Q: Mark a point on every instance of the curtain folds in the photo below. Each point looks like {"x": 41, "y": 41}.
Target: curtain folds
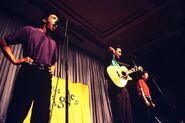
{"x": 82, "y": 68}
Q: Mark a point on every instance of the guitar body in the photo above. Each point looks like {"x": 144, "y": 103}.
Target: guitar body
{"x": 118, "y": 75}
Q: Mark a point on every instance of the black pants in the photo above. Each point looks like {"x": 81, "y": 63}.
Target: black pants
{"x": 145, "y": 114}
{"x": 120, "y": 104}
{"x": 32, "y": 84}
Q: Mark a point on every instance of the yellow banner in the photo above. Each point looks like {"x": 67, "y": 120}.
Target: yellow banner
{"x": 78, "y": 99}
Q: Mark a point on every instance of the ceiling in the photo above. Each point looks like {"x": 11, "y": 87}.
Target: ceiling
{"x": 137, "y": 25}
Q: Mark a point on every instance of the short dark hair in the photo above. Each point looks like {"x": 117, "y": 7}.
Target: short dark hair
{"x": 48, "y": 13}
{"x": 118, "y": 46}
{"x": 143, "y": 72}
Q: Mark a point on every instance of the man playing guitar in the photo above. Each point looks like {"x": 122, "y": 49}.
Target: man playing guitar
{"x": 119, "y": 96}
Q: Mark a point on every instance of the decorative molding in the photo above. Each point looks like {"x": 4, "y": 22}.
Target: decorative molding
{"x": 87, "y": 26}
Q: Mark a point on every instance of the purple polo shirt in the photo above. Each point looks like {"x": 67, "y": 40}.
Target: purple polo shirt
{"x": 36, "y": 44}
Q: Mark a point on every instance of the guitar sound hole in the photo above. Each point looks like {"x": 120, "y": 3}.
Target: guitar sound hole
{"x": 124, "y": 74}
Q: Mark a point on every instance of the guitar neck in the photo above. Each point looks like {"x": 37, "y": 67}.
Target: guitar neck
{"x": 132, "y": 70}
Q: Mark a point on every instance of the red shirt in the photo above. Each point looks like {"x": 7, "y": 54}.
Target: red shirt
{"x": 142, "y": 84}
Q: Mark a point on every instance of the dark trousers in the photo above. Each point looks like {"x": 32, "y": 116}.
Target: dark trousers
{"x": 145, "y": 114}
{"x": 32, "y": 84}
{"x": 120, "y": 104}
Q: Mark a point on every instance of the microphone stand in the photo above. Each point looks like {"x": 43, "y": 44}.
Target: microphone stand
{"x": 65, "y": 56}
{"x": 162, "y": 96}
{"x": 158, "y": 87}
{"x": 160, "y": 91}
{"x": 66, "y": 69}
{"x": 132, "y": 60}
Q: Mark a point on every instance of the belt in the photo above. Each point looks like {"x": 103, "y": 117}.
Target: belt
{"x": 40, "y": 66}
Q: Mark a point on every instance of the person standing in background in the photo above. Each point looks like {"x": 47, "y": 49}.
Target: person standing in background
{"x": 145, "y": 101}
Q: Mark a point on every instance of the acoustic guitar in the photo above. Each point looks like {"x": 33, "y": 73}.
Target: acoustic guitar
{"x": 120, "y": 75}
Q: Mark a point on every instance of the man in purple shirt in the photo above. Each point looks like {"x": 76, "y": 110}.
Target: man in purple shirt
{"x": 33, "y": 82}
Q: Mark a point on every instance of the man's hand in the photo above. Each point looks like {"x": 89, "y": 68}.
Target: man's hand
{"x": 22, "y": 60}
{"x": 52, "y": 69}
{"x": 153, "y": 105}
{"x": 8, "y": 53}
{"x": 147, "y": 103}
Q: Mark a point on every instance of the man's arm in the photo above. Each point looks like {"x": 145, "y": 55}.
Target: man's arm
{"x": 152, "y": 103}
{"x": 8, "y": 53}
{"x": 111, "y": 49}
